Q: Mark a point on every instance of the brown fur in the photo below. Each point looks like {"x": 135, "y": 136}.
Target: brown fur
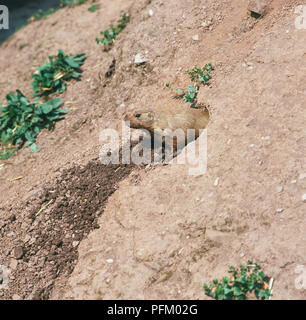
{"x": 160, "y": 120}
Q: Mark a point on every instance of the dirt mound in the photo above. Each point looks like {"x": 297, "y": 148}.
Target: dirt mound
{"x": 40, "y": 238}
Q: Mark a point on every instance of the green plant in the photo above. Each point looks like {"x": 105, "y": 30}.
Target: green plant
{"x": 40, "y": 14}
{"x": 52, "y": 76}
{"x": 200, "y": 74}
{"x": 21, "y": 121}
{"x": 110, "y": 35}
{"x": 191, "y": 93}
{"x": 65, "y": 3}
{"x": 242, "y": 282}
{"x": 94, "y": 8}
{"x": 23, "y": 45}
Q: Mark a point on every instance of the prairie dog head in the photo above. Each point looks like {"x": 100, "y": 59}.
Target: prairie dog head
{"x": 140, "y": 119}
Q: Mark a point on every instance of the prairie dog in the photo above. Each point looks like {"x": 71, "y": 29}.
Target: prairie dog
{"x": 168, "y": 119}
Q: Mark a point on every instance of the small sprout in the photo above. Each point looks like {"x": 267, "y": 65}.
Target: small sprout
{"x": 94, "y": 8}
{"x": 191, "y": 93}
{"x": 248, "y": 279}
{"x": 201, "y": 75}
{"x": 110, "y": 35}
{"x": 209, "y": 67}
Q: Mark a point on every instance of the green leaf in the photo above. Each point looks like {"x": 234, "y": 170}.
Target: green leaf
{"x": 54, "y": 73}
{"x": 33, "y": 147}
{"x": 63, "y": 111}
{"x": 11, "y": 98}
{"x": 47, "y": 108}
{"x": 111, "y": 33}
{"x": 227, "y": 290}
{"x": 71, "y": 62}
{"x": 94, "y": 8}
{"x": 56, "y": 102}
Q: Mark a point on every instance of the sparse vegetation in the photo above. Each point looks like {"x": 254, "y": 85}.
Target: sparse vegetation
{"x": 110, "y": 34}
{"x": 41, "y": 14}
{"x": 191, "y": 93}
{"x": 71, "y": 3}
{"x": 242, "y": 282}
{"x": 201, "y": 76}
{"x": 23, "y": 45}
{"x": 21, "y": 121}
{"x": 52, "y": 76}
{"x": 94, "y": 8}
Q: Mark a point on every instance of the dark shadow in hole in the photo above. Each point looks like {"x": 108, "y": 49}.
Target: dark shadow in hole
{"x": 255, "y": 15}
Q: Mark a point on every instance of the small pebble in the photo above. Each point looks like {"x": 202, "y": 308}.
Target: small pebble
{"x": 279, "y": 210}
{"x": 304, "y": 197}
{"x": 151, "y": 12}
{"x": 265, "y": 138}
{"x": 29, "y": 297}
{"x": 302, "y": 176}
{"x": 75, "y": 243}
{"x": 279, "y": 189}
{"x": 216, "y": 182}
{"x": 109, "y": 261}
{"x": 195, "y": 37}
{"x": 139, "y": 59}
{"x": 18, "y": 252}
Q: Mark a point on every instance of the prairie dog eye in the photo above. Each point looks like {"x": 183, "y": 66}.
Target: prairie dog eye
{"x": 138, "y": 115}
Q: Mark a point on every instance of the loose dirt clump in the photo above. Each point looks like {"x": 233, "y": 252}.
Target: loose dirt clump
{"x": 39, "y": 240}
